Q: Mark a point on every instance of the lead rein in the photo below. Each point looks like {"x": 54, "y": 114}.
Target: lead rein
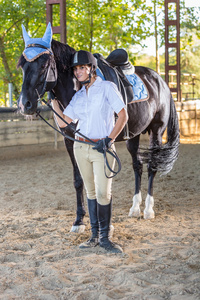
{"x": 91, "y": 142}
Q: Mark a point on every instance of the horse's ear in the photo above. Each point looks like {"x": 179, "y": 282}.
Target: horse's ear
{"x": 47, "y": 37}
{"x": 26, "y": 37}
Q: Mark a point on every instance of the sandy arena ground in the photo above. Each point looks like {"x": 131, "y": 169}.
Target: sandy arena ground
{"x": 40, "y": 258}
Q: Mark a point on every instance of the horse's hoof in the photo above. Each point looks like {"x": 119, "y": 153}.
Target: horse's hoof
{"x": 78, "y": 228}
{"x": 134, "y": 213}
{"x": 149, "y": 215}
{"x": 135, "y": 208}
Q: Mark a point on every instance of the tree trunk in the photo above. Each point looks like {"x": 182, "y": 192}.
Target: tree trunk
{"x": 156, "y": 40}
{"x": 90, "y": 12}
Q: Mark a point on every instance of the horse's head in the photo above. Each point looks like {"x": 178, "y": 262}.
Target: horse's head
{"x": 39, "y": 70}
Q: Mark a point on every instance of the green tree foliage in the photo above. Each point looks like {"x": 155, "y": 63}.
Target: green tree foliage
{"x": 94, "y": 25}
{"x": 102, "y": 26}
{"x": 189, "y": 43}
{"x": 13, "y": 14}
{"x": 190, "y": 62}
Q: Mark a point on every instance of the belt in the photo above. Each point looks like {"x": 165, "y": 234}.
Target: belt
{"x": 85, "y": 140}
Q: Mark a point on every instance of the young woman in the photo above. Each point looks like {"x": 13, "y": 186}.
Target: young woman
{"x": 94, "y": 106}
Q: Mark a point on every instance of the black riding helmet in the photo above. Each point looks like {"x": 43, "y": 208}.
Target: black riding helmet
{"x": 84, "y": 58}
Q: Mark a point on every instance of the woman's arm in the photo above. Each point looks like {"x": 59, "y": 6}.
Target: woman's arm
{"x": 119, "y": 125}
{"x": 56, "y": 107}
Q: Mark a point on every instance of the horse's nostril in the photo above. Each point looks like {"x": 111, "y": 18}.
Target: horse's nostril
{"x": 28, "y": 105}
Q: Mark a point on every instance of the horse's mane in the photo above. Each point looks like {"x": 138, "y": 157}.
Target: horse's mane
{"x": 62, "y": 54}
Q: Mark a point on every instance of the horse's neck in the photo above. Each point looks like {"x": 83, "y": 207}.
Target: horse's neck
{"x": 64, "y": 90}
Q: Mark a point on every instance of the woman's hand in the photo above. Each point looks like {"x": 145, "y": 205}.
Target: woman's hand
{"x": 102, "y": 145}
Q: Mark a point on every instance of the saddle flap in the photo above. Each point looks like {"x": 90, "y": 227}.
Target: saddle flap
{"x": 115, "y": 74}
{"x": 108, "y": 71}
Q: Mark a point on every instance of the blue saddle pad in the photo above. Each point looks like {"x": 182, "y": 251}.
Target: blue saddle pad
{"x": 139, "y": 89}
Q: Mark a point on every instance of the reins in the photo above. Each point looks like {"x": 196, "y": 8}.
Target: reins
{"x": 90, "y": 142}
{"x": 105, "y": 149}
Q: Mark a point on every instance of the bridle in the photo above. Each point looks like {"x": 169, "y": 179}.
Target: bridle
{"x": 51, "y": 74}
{"x": 51, "y": 77}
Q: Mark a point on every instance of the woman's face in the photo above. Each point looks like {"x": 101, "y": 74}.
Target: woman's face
{"x": 81, "y": 72}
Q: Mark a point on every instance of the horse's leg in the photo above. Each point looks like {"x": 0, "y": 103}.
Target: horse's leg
{"x": 149, "y": 201}
{"x": 155, "y": 140}
{"x": 78, "y": 225}
{"x": 132, "y": 146}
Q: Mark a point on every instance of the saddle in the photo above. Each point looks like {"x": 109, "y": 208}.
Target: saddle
{"x": 114, "y": 68}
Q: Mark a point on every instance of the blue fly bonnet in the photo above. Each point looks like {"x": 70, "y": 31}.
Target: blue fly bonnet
{"x": 34, "y": 47}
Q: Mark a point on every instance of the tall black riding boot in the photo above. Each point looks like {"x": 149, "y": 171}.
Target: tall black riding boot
{"x": 94, "y": 239}
{"x": 104, "y": 216}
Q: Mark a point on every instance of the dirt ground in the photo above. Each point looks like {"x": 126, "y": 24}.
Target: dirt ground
{"x": 40, "y": 258}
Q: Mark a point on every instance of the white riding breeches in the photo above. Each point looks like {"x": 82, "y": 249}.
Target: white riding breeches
{"x": 91, "y": 166}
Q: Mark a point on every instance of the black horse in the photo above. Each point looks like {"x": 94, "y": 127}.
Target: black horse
{"x": 152, "y": 116}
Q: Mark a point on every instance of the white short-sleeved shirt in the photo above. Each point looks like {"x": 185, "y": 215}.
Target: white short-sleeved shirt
{"x": 95, "y": 109}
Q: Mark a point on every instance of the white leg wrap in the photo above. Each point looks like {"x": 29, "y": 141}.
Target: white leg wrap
{"x": 149, "y": 212}
{"x": 78, "y": 229}
{"x": 135, "y": 209}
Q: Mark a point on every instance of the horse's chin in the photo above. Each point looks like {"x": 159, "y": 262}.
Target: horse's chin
{"x": 25, "y": 112}
{"x": 28, "y": 114}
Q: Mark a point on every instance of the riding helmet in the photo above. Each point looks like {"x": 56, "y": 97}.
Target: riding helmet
{"x": 84, "y": 58}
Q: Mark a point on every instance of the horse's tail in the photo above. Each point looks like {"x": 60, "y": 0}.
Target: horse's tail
{"x": 171, "y": 148}
{"x": 162, "y": 158}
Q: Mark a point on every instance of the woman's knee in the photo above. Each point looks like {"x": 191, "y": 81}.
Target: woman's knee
{"x": 91, "y": 194}
{"x": 103, "y": 199}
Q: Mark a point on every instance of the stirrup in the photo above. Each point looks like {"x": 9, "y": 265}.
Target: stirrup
{"x": 126, "y": 133}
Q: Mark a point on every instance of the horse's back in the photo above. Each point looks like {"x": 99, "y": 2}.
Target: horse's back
{"x": 153, "y": 81}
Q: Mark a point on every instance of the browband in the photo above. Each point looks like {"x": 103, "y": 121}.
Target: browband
{"x": 39, "y": 46}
